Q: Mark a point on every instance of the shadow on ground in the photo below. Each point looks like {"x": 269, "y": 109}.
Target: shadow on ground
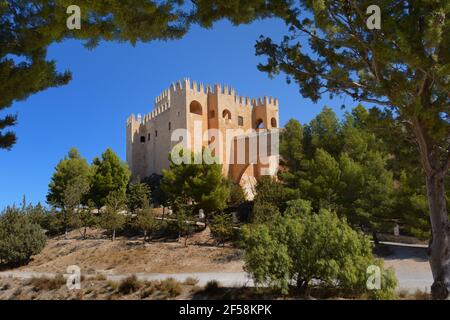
{"x": 393, "y": 252}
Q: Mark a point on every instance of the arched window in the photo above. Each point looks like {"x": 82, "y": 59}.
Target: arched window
{"x": 196, "y": 108}
{"x": 273, "y": 123}
{"x": 259, "y": 124}
{"x": 226, "y": 114}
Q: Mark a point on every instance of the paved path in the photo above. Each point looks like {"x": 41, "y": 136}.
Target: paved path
{"x": 411, "y": 266}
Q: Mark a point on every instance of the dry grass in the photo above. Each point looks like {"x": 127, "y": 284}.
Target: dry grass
{"x": 100, "y": 277}
{"x": 169, "y": 288}
{"x": 128, "y": 256}
{"x": 130, "y": 288}
{"x": 405, "y": 294}
{"x": 129, "y": 285}
{"x": 47, "y": 284}
{"x": 421, "y": 295}
{"x": 190, "y": 281}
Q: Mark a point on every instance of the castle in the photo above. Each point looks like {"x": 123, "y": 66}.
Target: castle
{"x": 216, "y": 111}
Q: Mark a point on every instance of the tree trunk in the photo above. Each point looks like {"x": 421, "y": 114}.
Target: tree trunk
{"x": 145, "y": 235}
{"x": 375, "y": 237}
{"x": 440, "y": 243}
{"x": 114, "y": 235}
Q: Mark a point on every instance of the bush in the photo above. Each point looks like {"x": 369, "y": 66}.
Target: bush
{"x": 237, "y": 194}
{"x": 269, "y": 190}
{"x": 264, "y": 212}
{"x": 222, "y": 227}
{"x": 212, "y": 287}
{"x": 129, "y": 285}
{"x": 190, "y": 281}
{"x": 312, "y": 249}
{"x": 169, "y": 288}
{"x": 19, "y": 238}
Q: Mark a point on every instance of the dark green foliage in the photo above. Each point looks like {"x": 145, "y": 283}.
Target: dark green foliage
{"x": 268, "y": 190}
{"x": 158, "y": 197}
{"x": 138, "y": 196}
{"x": 237, "y": 195}
{"x": 109, "y": 174}
{"x": 341, "y": 166}
{"x": 264, "y": 212}
{"x": 222, "y": 227}
{"x": 20, "y": 239}
{"x": 37, "y": 214}
{"x": 114, "y": 218}
{"x": 201, "y": 183}
{"x": 184, "y": 224}
{"x": 145, "y": 221}
{"x": 84, "y": 218}
{"x": 72, "y": 167}
{"x": 403, "y": 67}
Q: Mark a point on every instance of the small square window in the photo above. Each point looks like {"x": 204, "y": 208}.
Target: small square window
{"x": 170, "y": 126}
{"x": 240, "y": 121}
{"x": 142, "y": 139}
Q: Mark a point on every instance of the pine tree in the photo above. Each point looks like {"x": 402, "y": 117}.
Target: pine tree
{"x": 109, "y": 174}
{"x": 28, "y": 28}
{"x": 404, "y": 66}
{"x": 113, "y": 217}
{"x": 202, "y": 184}
{"x": 138, "y": 196}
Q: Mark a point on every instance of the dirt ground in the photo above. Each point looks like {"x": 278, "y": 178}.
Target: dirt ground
{"x": 97, "y": 254}
{"x": 156, "y": 261}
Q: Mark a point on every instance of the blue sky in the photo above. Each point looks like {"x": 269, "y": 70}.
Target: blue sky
{"x": 116, "y": 79}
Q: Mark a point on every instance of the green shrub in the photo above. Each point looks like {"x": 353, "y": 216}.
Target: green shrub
{"x": 19, "y": 238}
{"x": 264, "y": 212}
{"x": 222, "y": 227}
{"x": 237, "y": 194}
{"x": 312, "y": 249}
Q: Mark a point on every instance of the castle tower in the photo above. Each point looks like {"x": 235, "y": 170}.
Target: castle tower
{"x": 205, "y": 116}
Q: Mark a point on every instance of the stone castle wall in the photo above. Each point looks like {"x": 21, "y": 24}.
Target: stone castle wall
{"x": 186, "y": 104}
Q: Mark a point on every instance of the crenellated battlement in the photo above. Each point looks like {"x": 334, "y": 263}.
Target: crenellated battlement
{"x": 220, "y": 89}
{"x": 190, "y": 106}
{"x": 163, "y": 101}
